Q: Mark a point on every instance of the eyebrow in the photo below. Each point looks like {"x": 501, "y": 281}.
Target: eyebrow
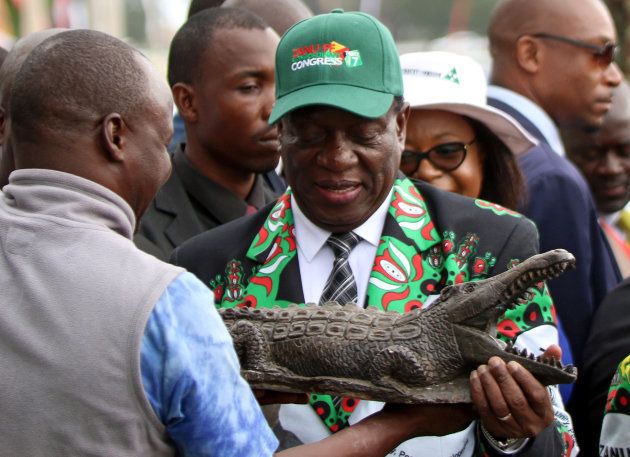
{"x": 252, "y": 73}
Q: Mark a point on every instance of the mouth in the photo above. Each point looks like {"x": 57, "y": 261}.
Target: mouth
{"x": 338, "y": 192}
{"x": 270, "y": 143}
{"x": 481, "y": 327}
{"x": 603, "y": 103}
{"x": 269, "y": 138}
{"x": 515, "y": 290}
{"x": 617, "y": 191}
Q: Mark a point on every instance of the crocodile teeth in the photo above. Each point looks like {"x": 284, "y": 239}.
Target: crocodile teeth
{"x": 524, "y": 353}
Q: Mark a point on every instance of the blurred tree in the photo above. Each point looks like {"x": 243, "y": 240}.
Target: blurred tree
{"x": 411, "y": 20}
{"x": 620, "y": 10}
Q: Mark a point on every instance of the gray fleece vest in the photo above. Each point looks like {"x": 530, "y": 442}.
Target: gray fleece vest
{"x": 75, "y": 296}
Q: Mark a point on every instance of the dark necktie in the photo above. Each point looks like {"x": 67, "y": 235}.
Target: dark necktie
{"x": 340, "y": 287}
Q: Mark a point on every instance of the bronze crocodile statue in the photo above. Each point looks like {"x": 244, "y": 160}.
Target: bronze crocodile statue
{"x": 424, "y": 356}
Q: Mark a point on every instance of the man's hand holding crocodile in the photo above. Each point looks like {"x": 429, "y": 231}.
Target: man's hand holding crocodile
{"x": 511, "y": 403}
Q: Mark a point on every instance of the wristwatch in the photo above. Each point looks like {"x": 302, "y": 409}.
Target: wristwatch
{"x": 506, "y": 446}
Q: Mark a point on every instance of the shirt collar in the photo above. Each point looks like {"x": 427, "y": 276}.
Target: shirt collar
{"x": 311, "y": 238}
{"x": 613, "y": 218}
{"x": 533, "y": 112}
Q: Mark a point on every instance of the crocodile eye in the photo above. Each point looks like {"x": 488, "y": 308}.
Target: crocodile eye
{"x": 446, "y": 291}
{"x": 470, "y": 287}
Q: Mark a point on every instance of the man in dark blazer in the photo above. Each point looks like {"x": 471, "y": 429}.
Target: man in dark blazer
{"x": 342, "y": 124}
{"x": 221, "y": 74}
{"x": 555, "y": 68}
{"x": 608, "y": 344}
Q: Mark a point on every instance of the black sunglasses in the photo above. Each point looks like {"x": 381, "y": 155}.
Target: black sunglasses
{"x": 445, "y": 156}
{"x": 605, "y": 54}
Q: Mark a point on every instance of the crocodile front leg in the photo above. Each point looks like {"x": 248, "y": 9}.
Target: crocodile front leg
{"x": 250, "y": 345}
{"x": 397, "y": 367}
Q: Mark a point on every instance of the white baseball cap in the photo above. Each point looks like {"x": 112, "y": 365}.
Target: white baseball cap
{"x": 456, "y": 83}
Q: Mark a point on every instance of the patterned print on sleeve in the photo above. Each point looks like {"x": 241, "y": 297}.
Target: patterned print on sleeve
{"x": 615, "y": 436}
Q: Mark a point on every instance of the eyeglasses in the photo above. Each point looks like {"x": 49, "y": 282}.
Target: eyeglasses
{"x": 445, "y": 156}
{"x": 604, "y": 54}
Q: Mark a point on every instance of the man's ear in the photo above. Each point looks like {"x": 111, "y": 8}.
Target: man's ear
{"x": 184, "y": 97}
{"x": 528, "y": 53}
{"x": 113, "y": 134}
{"x": 401, "y": 124}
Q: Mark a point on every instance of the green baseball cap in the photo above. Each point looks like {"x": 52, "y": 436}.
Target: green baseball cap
{"x": 345, "y": 60}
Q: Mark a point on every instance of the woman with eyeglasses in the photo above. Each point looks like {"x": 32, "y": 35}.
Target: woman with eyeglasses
{"x": 455, "y": 141}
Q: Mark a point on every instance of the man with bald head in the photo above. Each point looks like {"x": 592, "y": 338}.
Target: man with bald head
{"x": 553, "y": 66}
{"x": 105, "y": 350}
{"x": 603, "y": 157}
{"x": 8, "y": 70}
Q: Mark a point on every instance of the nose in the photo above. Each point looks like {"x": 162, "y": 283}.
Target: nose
{"x": 426, "y": 171}
{"x": 612, "y": 75}
{"x": 337, "y": 153}
{"x": 610, "y": 164}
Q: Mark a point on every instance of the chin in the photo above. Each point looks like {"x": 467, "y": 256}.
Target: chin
{"x": 611, "y": 207}
{"x": 263, "y": 166}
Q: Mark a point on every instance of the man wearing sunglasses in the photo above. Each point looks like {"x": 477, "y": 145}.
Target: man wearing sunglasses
{"x": 553, "y": 66}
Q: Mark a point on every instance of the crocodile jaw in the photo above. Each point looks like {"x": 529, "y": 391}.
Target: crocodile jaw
{"x": 475, "y": 307}
{"x": 479, "y": 304}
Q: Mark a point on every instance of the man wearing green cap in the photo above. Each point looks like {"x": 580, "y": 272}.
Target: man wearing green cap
{"x": 351, "y": 228}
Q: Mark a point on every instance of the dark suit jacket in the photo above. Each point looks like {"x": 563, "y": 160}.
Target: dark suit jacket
{"x": 608, "y": 344}
{"x": 507, "y": 237}
{"x": 188, "y": 205}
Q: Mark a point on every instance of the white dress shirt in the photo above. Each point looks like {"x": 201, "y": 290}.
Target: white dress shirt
{"x": 534, "y": 113}
{"x": 316, "y": 257}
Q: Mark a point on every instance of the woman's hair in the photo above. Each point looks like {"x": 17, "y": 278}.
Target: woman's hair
{"x": 502, "y": 181}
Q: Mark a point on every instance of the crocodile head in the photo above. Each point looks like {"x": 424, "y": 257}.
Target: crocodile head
{"x": 473, "y": 309}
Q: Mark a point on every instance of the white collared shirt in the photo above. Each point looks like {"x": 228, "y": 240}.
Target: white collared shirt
{"x": 316, "y": 257}
{"x": 534, "y": 113}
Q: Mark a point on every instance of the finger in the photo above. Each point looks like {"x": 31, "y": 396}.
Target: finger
{"x": 478, "y": 395}
{"x": 536, "y": 394}
{"x": 553, "y": 352}
{"x": 516, "y": 399}
{"x": 480, "y": 400}
{"x": 491, "y": 383}
{"x": 258, "y": 393}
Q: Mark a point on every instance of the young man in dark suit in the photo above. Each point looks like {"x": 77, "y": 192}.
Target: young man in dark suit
{"x": 221, "y": 75}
